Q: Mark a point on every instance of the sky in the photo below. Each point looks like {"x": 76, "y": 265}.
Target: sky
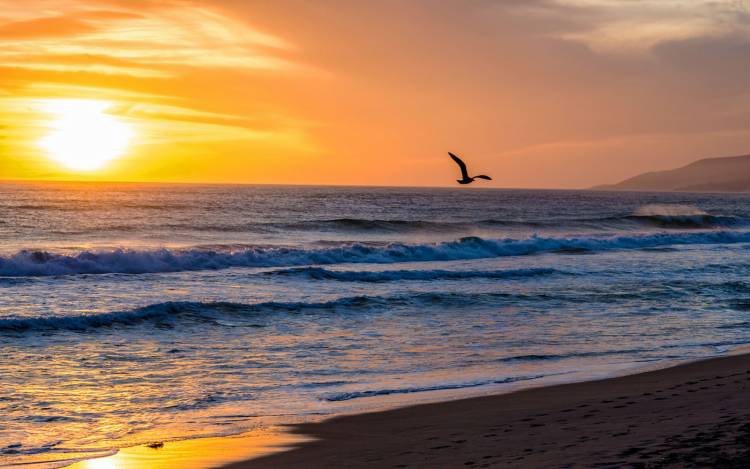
{"x": 536, "y": 93}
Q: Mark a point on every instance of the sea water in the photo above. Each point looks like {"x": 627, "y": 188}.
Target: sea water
{"x": 130, "y": 312}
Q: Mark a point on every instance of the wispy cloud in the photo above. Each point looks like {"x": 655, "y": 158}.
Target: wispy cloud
{"x": 224, "y": 87}
{"x": 79, "y": 36}
{"x": 634, "y": 26}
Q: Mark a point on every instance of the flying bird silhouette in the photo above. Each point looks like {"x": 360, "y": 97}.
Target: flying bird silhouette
{"x": 465, "y": 178}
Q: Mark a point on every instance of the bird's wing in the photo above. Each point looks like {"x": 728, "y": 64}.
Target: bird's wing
{"x": 461, "y": 165}
{"x": 484, "y": 176}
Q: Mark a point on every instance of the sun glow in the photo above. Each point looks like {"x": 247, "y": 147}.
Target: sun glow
{"x": 82, "y": 135}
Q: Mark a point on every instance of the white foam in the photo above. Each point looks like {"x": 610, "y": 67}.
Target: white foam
{"x": 41, "y": 263}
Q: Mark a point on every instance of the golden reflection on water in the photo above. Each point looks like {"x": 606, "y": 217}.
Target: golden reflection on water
{"x": 196, "y": 454}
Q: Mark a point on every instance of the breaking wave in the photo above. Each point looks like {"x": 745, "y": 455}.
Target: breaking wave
{"x": 668, "y": 219}
{"x": 682, "y": 216}
{"x": 689, "y": 221}
{"x": 30, "y": 263}
{"x": 660, "y": 215}
{"x": 218, "y": 312}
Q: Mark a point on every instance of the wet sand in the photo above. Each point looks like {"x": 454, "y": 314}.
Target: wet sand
{"x": 697, "y": 414}
{"x": 199, "y": 453}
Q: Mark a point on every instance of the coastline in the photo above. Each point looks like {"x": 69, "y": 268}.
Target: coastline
{"x": 690, "y": 411}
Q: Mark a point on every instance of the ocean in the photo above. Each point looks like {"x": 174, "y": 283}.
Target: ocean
{"x": 132, "y": 313}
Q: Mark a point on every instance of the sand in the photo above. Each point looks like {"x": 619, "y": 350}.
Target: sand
{"x": 199, "y": 453}
{"x": 697, "y": 414}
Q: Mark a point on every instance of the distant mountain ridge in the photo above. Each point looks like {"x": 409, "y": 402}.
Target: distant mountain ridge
{"x": 726, "y": 174}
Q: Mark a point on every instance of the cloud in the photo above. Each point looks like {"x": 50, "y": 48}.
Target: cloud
{"x": 523, "y": 87}
{"x": 55, "y": 26}
{"x": 99, "y": 64}
{"x": 61, "y": 25}
{"x": 611, "y": 26}
{"x": 180, "y": 34}
{"x": 41, "y": 89}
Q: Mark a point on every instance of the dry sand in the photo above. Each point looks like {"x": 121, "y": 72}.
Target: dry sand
{"x": 696, "y": 414}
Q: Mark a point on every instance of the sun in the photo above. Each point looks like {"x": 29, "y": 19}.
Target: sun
{"x": 82, "y": 135}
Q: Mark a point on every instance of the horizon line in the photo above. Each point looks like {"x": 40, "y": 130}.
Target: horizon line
{"x": 214, "y": 183}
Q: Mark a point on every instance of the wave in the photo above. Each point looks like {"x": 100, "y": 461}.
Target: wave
{"x": 576, "y": 355}
{"x": 347, "y": 396}
{"x": 402, "y": 226}
{"x": 318, "y": 273}
{"x": 217, "y": 313}
{"x": 675, "y": 216}
{"x": 79, "y": 205}
{"x": 690, "y": 221}
{"x": 661, "y": 215}
{"x": 667, "y": 219}
{"x": 682, "y": 216}
{"x": 563, "y": 356}
{"x": 15, "y": 281}
{"x": 29, "y": 263}
{"x": 92, "y": 321}
{"x": 360, "y": 224}
{"x": 705, "y": 221}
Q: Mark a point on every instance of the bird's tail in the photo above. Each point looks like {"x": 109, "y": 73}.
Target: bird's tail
{"x": 482, "y": 176}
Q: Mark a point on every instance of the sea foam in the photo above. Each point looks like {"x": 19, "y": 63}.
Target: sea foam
{"x": 129, "y": 261}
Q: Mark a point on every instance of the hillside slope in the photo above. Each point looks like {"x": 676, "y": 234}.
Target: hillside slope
{"x": 727, "y": 174}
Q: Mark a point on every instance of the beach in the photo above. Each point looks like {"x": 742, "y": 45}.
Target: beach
{"x": 695, "y": 414}
{"x": 341, "y": 234}
{"x": 690, "y": 415}
{"x": 143, "y": 314}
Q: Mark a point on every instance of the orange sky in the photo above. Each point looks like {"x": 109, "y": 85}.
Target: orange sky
{"x": 537, "y": 93}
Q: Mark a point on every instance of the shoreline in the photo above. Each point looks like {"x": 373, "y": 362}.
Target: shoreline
{"x": 690, "y": 413}
{"x": 194, "y": 453}
{"x": 322, "y": 443}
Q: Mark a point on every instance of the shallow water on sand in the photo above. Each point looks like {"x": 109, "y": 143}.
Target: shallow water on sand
{"x": 130, "y": 313}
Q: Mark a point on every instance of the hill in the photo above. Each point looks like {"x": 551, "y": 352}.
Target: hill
{"x": 727, "y": 174}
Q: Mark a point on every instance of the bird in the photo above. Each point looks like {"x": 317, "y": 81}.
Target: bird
{"x": 465, "y": 178}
